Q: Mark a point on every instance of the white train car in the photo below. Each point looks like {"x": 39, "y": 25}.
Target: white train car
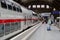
{"x": 34, "y": 17}
{"x": 14, "y": 17}
{"x": 28, "y": 16}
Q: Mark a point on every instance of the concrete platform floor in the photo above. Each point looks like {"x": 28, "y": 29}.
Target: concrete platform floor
{"x": 42, "y": 33}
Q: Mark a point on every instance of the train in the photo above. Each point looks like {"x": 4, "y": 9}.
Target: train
{"x": 14, "y": 17}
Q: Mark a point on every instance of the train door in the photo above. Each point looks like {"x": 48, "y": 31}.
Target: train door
{"x": 30, "y": 21}
{"x": 24, "y": 22}
{"x": 27, "y": 21}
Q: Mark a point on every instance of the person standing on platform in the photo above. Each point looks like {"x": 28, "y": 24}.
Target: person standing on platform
{"x": 52, "y": 19}
{"x": 49, "y": 23}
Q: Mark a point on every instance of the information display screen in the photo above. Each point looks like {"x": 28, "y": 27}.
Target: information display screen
{"x": 55, "y": 12}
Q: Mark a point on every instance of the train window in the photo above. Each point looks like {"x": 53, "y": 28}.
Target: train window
{"x": 35, "y": 14}
{"x": 7, "y": 24}
{"x": 7, "y": 28}
{"x": 14, "y": 8}
{"x": 18, "y": 9}
{"x": 3, "y": 5}
{"x": 1, "y": 30}
{"x": 16, "y": 23}
{"x": 19, "y": 25}
{"x": 12, "y": 24}
{"x": 10, "y": 7}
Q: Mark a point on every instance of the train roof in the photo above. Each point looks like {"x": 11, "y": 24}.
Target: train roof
{"x": 13, "y": 3}
{"x": 10, "y": 2}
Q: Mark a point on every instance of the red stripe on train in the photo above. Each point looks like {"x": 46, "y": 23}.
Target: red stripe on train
{"x": 14, "y": 20}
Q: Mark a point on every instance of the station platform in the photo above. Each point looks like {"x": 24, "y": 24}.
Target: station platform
{"x": 41, "y": 33}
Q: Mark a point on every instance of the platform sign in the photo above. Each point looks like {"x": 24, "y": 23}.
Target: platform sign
{"x": 45, "y": 14}
{"x": 55, "y": 12}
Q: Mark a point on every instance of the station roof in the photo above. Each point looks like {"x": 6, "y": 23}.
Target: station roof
{"x": 52, "y": 3}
